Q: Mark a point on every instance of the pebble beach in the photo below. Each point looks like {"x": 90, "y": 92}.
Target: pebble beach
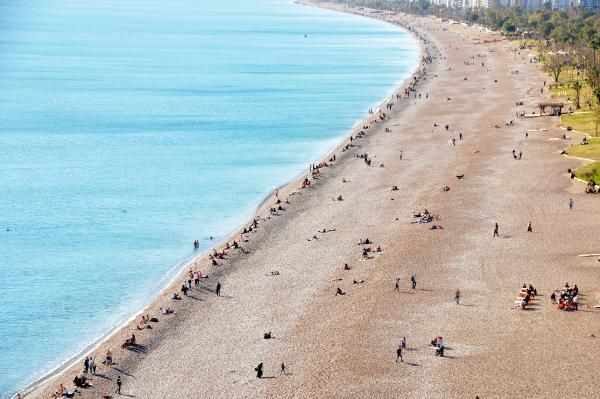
{"x": 285, "y": 279}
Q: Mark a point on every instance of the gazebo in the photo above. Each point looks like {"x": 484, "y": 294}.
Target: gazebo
{"x": 556, "y": 108}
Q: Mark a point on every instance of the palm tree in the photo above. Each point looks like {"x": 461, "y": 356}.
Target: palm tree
{"x": 577, "y": 87}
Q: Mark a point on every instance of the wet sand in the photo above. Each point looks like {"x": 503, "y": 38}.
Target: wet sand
{"x": 344, "y": 346}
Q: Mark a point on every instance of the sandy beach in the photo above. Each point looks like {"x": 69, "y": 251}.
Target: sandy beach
{"x": 343, "y": 346}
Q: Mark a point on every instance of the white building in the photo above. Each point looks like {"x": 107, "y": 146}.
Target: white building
{"x": 562, "y": 5}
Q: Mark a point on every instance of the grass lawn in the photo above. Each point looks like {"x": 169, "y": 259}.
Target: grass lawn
{"x": 564, "y": 89}
{"x": 581, "y": 122}
{"x": 590, "y": 171}
{"x": 589, "y": 151}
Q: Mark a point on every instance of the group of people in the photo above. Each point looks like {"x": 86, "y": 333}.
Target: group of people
{"x": 591, "y": 187}
{"x": 413, "y": 283}
{"x": 527, "y": 294}
{"x": 515, "y": 156}
{"x": 567, "y": 299}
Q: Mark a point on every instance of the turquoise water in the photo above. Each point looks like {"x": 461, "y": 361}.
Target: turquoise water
{"x": 130, "y": 128}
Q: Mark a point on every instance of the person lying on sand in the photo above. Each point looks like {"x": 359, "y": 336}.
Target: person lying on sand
{"x": 339, "y": 292}
{"x": 80, "y": 382}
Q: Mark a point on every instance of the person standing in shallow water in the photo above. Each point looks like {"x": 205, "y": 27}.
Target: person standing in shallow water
{"x": 218, "y": 289}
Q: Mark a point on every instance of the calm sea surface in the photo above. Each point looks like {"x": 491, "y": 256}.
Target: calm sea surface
{"x": 130, "y": 128}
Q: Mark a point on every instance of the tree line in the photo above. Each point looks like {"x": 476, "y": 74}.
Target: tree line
{"x": 566, "y": 42}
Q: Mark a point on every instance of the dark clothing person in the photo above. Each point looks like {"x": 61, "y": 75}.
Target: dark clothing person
{"x": 399, "y": 354}
{"x": 496, "y": 230}
{"x": 259, "y": 370}
{"x": 119, "y": 384}
{"x": 413, "y": 281}
{"x": 218, "y": 289}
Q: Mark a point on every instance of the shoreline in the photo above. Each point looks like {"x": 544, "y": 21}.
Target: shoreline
{"x": 329, "y": 299}
{"x": 179, "y": 270}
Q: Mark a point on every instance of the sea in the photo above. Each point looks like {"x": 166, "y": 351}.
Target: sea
{"x": 129, "y": 129}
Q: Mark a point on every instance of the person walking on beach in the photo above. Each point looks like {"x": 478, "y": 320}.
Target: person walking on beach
{"x": 108, "y": 358}
{"x": 496, "y": 230}
{"x": 571, "y": 203}
{"x": 529, "y": 228}
{"x": 259, "y": 370}
{"x": 401, "y": 155}
{"x": 92, "y": 366}
{"x": 397, "y": 287}
{"x": 282, "y": 369}
{"x": 218, "y": 289}
{"x": 413, "y": 281}
{"x": 457, "y": 297}
{"x": 86, "y": 365}
{"x": 118, "y": 385}
{"x": 403, "y": 343}
{"x": 399, "y": 354}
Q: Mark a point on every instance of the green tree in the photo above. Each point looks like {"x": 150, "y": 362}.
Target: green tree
{"x": 554, "y": 63}
{"x": 509, "y": 26}
{"x": 596, "y": 117}
{"x": 577, "y": 86}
